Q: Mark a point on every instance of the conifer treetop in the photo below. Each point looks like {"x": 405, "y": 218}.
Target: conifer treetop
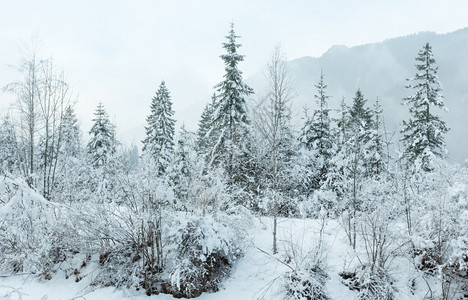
{"x": 232, "y": 90}
{"x": 102, "y": 143}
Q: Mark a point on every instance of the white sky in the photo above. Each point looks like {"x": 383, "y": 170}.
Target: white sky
{"x": 118, "y": 52}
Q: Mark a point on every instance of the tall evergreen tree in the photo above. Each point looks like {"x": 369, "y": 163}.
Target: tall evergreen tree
{"x": 70, "y": 143}
{"x": 320, "y": 137}
{"x": 340, "y": 132}
{"x": 377, "y": 156}
{"x": 205, "y": 141}
{"x": 71, "y": 173}
{"x": 230, "y": 120}
{"x": 182, "y": 168}
{"x": 349, "y": 166}
{"x": 360, "y": 125}
{"x": 102, "y": 144}
{"x": 305, "y": 135}
{"x": 360, "y": 117}
{"x": 340, "y": 135}
{"x": 316, "y": 133}
{"x": 423, "y": 134}
{"x": 159, "y": 141}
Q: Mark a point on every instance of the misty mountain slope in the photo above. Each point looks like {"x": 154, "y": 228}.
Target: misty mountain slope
{"x": 380, "y": 70}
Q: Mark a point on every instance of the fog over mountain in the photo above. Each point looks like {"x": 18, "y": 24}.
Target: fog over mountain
{"x": 380, "y": 70}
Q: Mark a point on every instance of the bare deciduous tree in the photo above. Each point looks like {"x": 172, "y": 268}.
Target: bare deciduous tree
{"x": 27, "y": 91}
{"x": 42, "y": 96}
{"x": 54, "y": 97}
{"x": 272, "y": 116}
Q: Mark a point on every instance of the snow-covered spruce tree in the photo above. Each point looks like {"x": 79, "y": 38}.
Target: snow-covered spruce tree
{"x": 73, "y": 172}
{"x": 423, "y": 134}
{"x": 360, "y": 117}
{"x": 340, "y": 131}
{"x": 360, "y": 123}
{"x": 183, "y": 164}
{"x": 230, "y": 121}
{"x": 205, "y": 140}
{"x": 340, "y": 134}
{"x": 377, "y": 156}
{"x": 159, "y": 141}
{"x": 316, "y": 133}
{"x": 70, "y": 144}
{"x": 304, "y": 136}
{"x": 102, "y": 143}
{"x": 305, "y": 139}
{"x": 350, "y": 163}
{"x": 360, "y": 126}
{"x": 334, "y": 187}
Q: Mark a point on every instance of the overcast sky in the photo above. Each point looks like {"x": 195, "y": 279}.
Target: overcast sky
{"x": 117, "y": 52}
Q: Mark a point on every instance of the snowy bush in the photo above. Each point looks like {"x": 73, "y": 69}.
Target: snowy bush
{"x": 374, "y": 284}
{"x": 459, "y": 243}
{"x": 306, "y": 261}
{"x": 204, "y": 250}
{"x": 130, "y": 249}
{"x": 440, "y": 247}
{"x": 75, "y": 181}
{"x": 308, "y": 284}
{"x": 371, "y": 283}
{"x": 120, "y": 266}
{"x": 35, "y": 234}
{"x": 128, "y": 232}
{"x": 278, "y": 203}
{"x": 319, "y": 201}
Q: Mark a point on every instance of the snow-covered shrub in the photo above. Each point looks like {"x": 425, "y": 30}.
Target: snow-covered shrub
{"x": 374, "y": 284}
{"x": 440, "y": 237}
{"x": 207, "y": 192}
{"x": 130, "y": 249}
{"x": 204, "y": 250}
{"x": 306, "y": 260}
{"x": 308, "y": 284}
{"x": 279, "y": 204}
{"x": 371, "y": 284}
{"x": 381, "y": 238}
{"x": 129, "y": 231}
{"x": 120, "y": 266}
{"x": 319, "y": 201}
{"x": 380, "y": 233}
{"x": 458, "y": 257}
{"x": 75, "y": 181}
{"x": 35, "y": 234}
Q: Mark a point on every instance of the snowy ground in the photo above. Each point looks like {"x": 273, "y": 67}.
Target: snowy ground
{"x": 258, "y": 275}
